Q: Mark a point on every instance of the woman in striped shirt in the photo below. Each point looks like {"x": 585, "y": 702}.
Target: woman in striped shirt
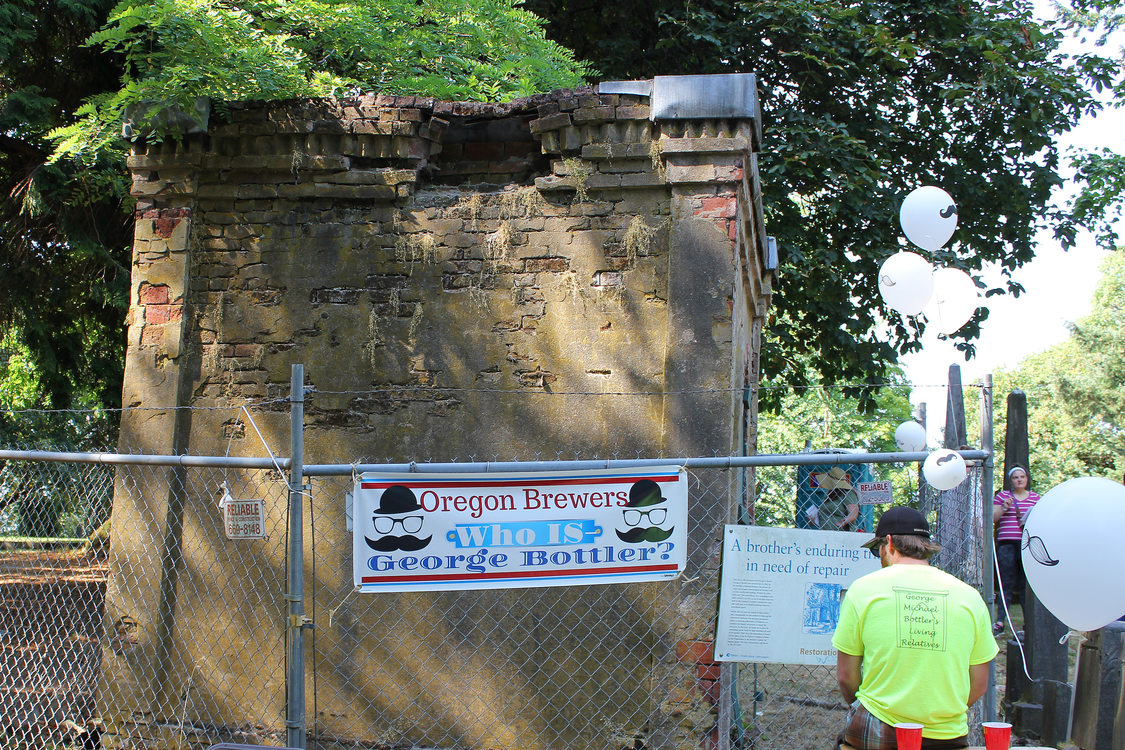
{"x": 1009, "y": 509}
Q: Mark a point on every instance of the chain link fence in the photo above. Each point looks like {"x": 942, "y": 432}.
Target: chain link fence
{"x": 53, "y": 570}
{"x": 579, "y": 666}
{"x": 157, "y": 631}
{"x": 79, "y": 638}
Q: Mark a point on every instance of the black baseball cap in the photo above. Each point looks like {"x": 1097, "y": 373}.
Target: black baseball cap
{"x": 901, "y": 519}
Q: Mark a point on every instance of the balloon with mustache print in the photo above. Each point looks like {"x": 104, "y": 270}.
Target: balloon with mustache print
{"x": 928, "y": 217}
{"x": 1072, "y": 551}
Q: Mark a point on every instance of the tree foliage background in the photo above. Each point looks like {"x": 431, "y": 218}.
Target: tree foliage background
{"x": 1075, "y": 393}
{"x": 819, "y": 417}
{"x": 65, "y": 226}
{"x": 72, "y": 70}
{"x": 1099, "y": 204}
{"x": 863, "y": 101}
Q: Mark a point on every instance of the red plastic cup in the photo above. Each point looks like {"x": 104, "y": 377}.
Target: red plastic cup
{"x": 909, "y": 736}
{"x": 997, "y": 735}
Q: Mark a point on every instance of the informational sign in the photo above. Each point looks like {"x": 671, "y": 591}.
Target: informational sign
{"x": 437, "y": 532}
{"x": 779, "y": 599}
{"x": 243, "y": 519}
{"x": 874, "y": 493}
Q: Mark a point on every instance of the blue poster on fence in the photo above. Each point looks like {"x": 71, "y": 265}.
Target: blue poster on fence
{"x": 827, "y": 498}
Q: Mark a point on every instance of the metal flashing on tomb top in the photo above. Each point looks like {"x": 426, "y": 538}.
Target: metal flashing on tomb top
{"x": 730, "y": 95}
{"x": 146, "y": 117}
{"x": 772, "y": 259}
{"x": 635, "y": 88}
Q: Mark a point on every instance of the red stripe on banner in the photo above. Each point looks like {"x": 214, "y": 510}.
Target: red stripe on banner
{"x": 518, "y": 574}
{"x": 530, "y": 482}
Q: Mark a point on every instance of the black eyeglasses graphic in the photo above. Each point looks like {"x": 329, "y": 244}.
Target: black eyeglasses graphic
{"x": 409, "y": 524}
{"x": 655, "y": 516}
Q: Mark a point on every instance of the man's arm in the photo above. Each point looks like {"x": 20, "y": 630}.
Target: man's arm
{"x": 853, "y": 514}
{"x": 848, "y": 671}
{"x": 978, "y": 681}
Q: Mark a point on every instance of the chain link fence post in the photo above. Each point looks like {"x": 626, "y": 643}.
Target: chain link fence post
{"x": 986, "y": 444}
{"x": 295, "y": 676}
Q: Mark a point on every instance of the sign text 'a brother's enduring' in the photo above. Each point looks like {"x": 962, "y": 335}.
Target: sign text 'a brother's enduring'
{"x": 419, "y": 532}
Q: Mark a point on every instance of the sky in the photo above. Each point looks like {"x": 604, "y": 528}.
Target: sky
{"x": 1059, "y": 285}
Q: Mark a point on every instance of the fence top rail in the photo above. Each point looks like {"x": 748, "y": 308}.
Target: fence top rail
{"x": 281, "y": 463}
{"x": 702, "y": 462}
{"x": 131, "y": 459}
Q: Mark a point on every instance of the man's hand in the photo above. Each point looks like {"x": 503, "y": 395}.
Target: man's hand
{"x": 848, "y": 675}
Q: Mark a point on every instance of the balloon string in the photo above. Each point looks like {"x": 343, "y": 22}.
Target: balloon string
{"x": 1066, "y": 637}
{"x": 1008, "y": 616}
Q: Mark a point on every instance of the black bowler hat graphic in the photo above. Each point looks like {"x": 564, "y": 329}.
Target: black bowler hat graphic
{"x": 644, "y": 492}
{"x": 397, "y": 499}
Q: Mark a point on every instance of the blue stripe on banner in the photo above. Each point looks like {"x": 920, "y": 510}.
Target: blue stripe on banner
{"x": 516, "y": 575}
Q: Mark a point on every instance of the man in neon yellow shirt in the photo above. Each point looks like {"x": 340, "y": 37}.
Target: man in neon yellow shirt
{"x": 913, "y": 643}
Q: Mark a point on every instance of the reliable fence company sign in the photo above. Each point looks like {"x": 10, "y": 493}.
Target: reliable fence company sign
{"x": 419, "y": 532}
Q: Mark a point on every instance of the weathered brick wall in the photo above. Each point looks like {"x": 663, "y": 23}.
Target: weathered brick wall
{"x": 555, "y": 277}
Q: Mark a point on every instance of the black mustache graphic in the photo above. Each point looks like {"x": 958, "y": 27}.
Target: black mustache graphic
{"x": 945, "y": 459}
{"x": 394, "y": 543}
{"x": 636, "y": 536}
{"x": 945, "y": 213}
{"x": 1038, "y": 550}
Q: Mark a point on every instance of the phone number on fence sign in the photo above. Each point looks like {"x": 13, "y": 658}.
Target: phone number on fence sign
{"x": 244, "y": 529}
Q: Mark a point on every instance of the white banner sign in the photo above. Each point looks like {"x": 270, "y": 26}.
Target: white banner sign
{"x": 779, "y": 600}
{"x": 435, "y": 532}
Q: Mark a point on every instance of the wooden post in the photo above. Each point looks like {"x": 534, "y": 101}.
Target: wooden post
{"x": 956, "y": 433}
{"x": 1016, "y": 444}
{"x": 1040, "y": 707}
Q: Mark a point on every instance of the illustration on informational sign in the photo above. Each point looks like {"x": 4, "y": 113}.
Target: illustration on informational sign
{"x": 780, "y": 594}
{"x": 436, "y": 532}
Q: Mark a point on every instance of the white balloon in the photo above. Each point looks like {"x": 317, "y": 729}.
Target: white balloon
{"x": 1073, "y": 553}
{"x": 944, "y": 469}
{"x": 955, "y": 300}
{"x": 906, "y": 281}
{"x": 910, "y": 437}
{"x": 928, "y": 217}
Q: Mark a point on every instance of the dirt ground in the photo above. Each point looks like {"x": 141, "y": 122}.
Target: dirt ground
{"x": 51, "y": 605}
{"x": 52, "y": 566}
